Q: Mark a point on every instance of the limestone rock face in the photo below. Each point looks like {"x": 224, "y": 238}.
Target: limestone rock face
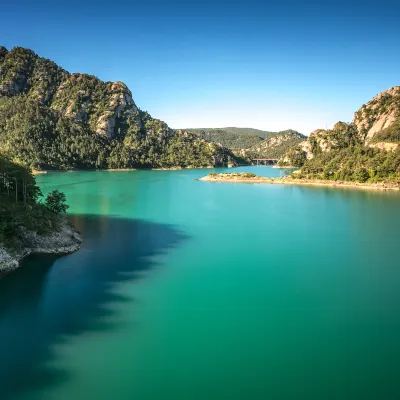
{"x": 87, "y": 99}
{"x": 378, "y": 114}
{"x": 321, "y": 141}
{"x": 387, "y": 146}
{"x": 376, "y": 124}
{"x": 82, "y": 97}
{"x": 120, "y": 100}
{"x": 381, "y": 113}
{"x": 306, "y": 147}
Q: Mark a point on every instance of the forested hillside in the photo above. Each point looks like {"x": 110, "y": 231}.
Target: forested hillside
{"x": 275, "y": 146}
{"x": 231, "y": 140}
{"x": 248, "y": 142}
{"x": 250, "y": 131}
{"x": 51, "y": 119}
{"x": 367, "y": 149}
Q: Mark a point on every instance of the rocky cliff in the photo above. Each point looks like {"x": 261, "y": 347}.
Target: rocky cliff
{"x": 83, "y": 122}
{"x": 379, "y": 114}
{"x": 81, "y": 97}
{"x": 375, "y": 125}
{"x": 366, "y": 150}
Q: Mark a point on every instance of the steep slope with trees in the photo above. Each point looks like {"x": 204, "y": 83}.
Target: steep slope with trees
{"x": 248, "y": 142}
{"x": 379, "y": 119}
{"x": 276, "y": 146}
{"x": 367, "y": 149}
{"x": 28, "y": 225}
{"x": 51, "y": 119}
{"x": 250, "y": 131}
{"x": 231, "y": 140}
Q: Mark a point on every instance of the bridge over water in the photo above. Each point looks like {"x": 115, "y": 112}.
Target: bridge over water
{"x": 264, "y": 161}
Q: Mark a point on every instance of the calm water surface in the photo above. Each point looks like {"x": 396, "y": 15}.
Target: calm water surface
{"x": 186, "y": 289}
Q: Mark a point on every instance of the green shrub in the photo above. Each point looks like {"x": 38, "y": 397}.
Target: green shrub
{"x": 361, "y": 175}
{"x": 55, "y": 202}
{"x": 354, "y": 163}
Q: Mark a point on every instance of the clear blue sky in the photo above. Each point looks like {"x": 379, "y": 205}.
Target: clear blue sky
{"x": 268, "y": 65}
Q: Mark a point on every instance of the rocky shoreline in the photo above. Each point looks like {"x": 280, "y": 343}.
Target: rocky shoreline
{"x": 247, "y": 178}
{"x": 66, "y": 239}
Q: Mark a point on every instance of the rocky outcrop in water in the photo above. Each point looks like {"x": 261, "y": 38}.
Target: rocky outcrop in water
{"x": 63, "y": 240}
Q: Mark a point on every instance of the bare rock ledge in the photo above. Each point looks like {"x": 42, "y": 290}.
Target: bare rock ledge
{"x": 66, "y": 239}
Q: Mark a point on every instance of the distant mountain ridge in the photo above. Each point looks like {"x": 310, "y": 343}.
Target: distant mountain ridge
{"x": 229, "y": 139}
{"x": 52, "y": 119}
{"x": 233, "y": 130}
{"x": 261, "y": 133}
{"x": 276, "y": 145}
{"x": 249, "y": 141}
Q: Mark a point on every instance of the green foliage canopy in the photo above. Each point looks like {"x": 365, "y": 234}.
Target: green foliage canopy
{"x": 56, "y": 202}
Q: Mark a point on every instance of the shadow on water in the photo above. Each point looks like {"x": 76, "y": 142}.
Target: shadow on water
{"x": 50, "y": 299}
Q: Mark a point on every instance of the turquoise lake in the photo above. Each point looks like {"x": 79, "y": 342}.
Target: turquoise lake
{"x": 185, "y": 289}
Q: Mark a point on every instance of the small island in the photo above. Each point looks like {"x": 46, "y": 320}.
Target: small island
{"x": 293, "y": 179}
{"x": 242, "y": 177}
